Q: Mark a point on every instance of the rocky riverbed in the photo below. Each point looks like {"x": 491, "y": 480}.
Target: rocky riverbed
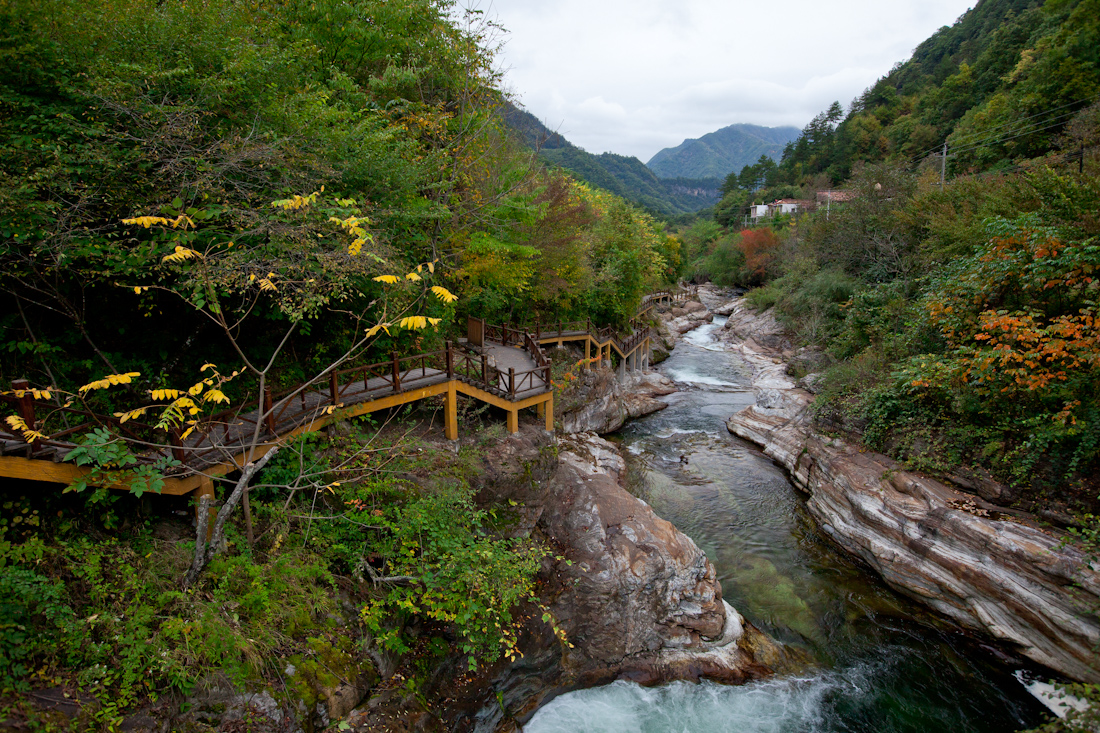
{"x": 985, "y": 568}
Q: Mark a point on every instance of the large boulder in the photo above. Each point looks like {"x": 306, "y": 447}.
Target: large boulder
{"x": 636, "y": 598}
{"x": 599, "y": 402}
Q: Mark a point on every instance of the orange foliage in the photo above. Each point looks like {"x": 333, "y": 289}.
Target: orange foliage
{"x": 759, "y": 247}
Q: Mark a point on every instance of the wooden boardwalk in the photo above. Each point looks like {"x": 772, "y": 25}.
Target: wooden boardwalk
{"x": 500, "y": 365}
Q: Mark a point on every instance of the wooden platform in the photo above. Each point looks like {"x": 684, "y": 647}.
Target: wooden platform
{"x": 509, "y": 371}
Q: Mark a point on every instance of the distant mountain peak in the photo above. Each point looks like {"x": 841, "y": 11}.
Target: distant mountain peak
{"x": 719, "y": 153}
{"x": 620, "y": 174}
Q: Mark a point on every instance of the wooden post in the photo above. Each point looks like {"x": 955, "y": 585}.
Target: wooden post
{"x": 450, "y": 408}
{"x": 177, "y": 446}
{"x": 587, "y": 353}
{"x": 550, "y": 413}
{"x": 485, "y": 370}
{"x": 269, "y": 410}
{"x": 26, "y": 402}
{"x": 538, "y": 331}
{"x": 333, "y": 387}
{"x": 513, "y": 421}
{"x": 450, "y": 362}
{"x": 512, "y": 382}
{"x": 396, "y": 373}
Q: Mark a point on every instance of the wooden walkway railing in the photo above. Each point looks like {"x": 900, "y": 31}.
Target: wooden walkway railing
{"x": 501, "y": 365}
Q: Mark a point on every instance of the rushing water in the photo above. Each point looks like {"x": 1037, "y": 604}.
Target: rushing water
{"x": 879, "y": 662}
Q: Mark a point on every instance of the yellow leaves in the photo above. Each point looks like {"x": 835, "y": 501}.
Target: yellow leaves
{"x": 390, "y": 279}
{"x": 184, "y": 403}
{"x": 131, "y": 415}
{"x": 443, "y": 294}
{"x": 109, "y": 381}
{"x": 139, "y": 289}
{"x": 38, "y": 394}
{"x": 354, "y": 225}
{"x": 181, "y": 254}
{"x": 215, "y": 395}
{"x": 296, "y": 201}
{"x": 413, "y": 276}
{"x": 267, "y": 286}
{"x": 147, "y": 221}
{"x": 418, "y": 322}
{"x": 375, "y": 329}
{"x": 165, "y": 394}
{"x": 17, "y": 424}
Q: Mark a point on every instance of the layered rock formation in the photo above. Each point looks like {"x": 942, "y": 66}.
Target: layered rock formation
{"x": 641, "y": 599}
{"x": 600, "y": 402}
{"x": 637, "y": 598}
{"x": 986, "y": 569}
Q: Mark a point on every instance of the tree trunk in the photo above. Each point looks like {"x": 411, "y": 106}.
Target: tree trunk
{"x": 205, "y": 552}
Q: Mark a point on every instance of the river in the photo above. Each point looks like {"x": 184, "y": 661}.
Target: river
{"x": 880, "y": 662}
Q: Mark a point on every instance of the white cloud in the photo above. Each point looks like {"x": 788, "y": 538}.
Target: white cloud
{"x": 635, "y": 76}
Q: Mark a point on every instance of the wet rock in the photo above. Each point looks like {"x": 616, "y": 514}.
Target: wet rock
{"x": 662, "y": 342}
{"x": 682, "y": 318}
{"x": 760, "y": 332}
{"x": 599, "y": 402}
{"x": 983, "y": 568}
{"x": 636, "y": 598}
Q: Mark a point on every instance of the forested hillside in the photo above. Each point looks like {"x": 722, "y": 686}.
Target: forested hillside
{"x": 129, "y": 132}
{"x": 717, "y": 154}
{"x": 202, "y": 202}
{"x": 618, "y": 174}
{"x": 957, "y": 319}
{"x": 997, "y": 87}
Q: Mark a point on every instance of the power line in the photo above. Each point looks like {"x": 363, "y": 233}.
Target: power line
{"x": 967, "y": 138}
{"x": 1078, "y": 154}
{"x": 985, "y": 144}
{"x": 998, "y": 137}
{"x": 1023, "y": 119}
{"x": 1034, "y": 127}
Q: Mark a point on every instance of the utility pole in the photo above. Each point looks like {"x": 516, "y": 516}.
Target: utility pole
{"x": 943, "y": 164}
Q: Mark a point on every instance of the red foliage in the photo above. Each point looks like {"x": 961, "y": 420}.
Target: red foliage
{"x": 759, "y": 247}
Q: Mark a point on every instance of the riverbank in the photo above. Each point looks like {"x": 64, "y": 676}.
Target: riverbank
{"x": 869, "y": 658}
{"x": 989, "y": 570}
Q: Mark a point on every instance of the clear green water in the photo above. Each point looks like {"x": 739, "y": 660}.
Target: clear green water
{"x": 880, "y": 663}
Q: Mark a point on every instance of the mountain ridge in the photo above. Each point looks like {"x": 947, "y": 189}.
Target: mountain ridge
{"x": 719, "y": 153}
{"x": 624, "y": 176}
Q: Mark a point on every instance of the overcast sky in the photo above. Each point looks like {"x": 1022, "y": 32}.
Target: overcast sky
{"x": 635, "y": 76}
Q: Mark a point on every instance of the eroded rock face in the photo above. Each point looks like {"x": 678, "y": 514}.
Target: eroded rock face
{"x": 600, "y": 402}
{"x": 637, "y": 598}
{"x": 984, "y": 569}
{"x": 758, "y": 332}
{"x": 679, "y": 319}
